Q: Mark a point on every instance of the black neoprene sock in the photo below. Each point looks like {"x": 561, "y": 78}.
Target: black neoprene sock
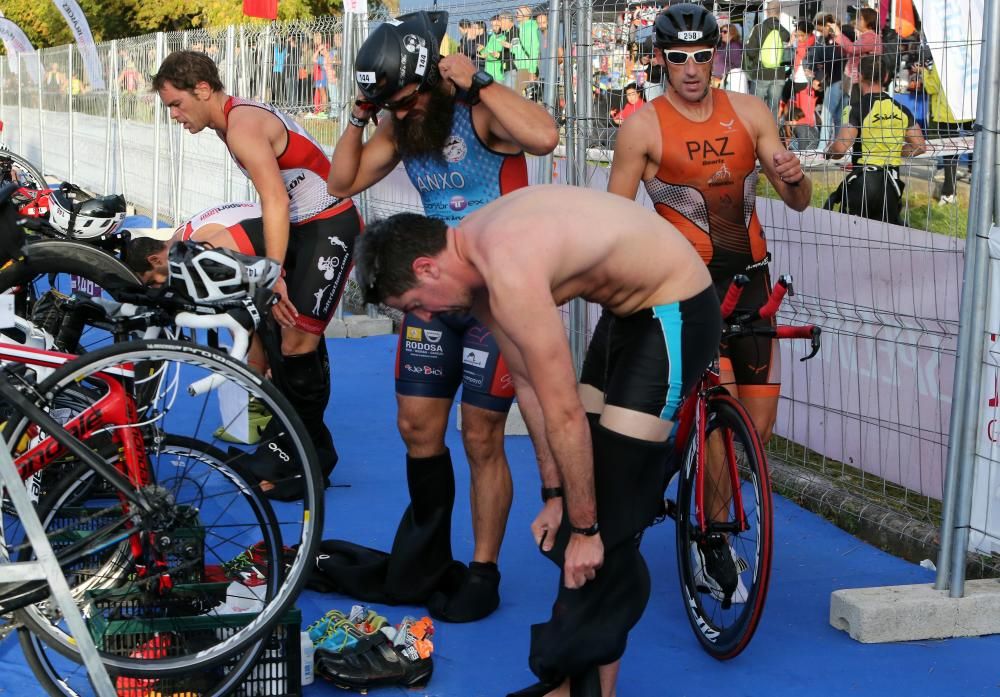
{"x": 421, "y": 551}
{"x": 476, "y": 596}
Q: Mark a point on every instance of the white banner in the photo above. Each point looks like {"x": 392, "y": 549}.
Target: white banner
{"x": 85, "y": 41}
{"x": 954, "y": 32}
{"x": 17, "y": 45}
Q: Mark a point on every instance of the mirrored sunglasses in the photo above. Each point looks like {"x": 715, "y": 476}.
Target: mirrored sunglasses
{"x": 678, "y": 57}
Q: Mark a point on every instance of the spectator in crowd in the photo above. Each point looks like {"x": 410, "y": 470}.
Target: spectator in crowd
{"x": 798, "y": 110}
{"x": 803, "y": 41}
{"x": 320, "y": 55}
{"x": 526, "y": 49}
{"x": 467, "y": 44}
{"x": 294, "y": 72}
{"x": 130, "y": 79}
{"x": 493, "y": 52}
{"x": 542, "y": 20}
{"x": 633, "y": 102}
{"x": 943, "y": 123}
{"x": 55, "y": 79}
{"x": 653, "y": 87}
{"x": 825, "y": 61}
{"x": 728, "y": 55}
{"x": 764, "y": 57}
{"x": 879, "y": 132}
{"x": 632, "y": 60}
{"x": 278, "y": 92}
{"x": 866, "y": 42}
{"x": 508, "y": 37}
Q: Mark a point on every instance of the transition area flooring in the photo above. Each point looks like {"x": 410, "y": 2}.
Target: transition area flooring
{"x": 795, "y": 651}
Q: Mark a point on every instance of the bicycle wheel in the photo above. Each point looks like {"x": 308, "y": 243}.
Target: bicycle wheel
{"x": 66, "y": 267}
{"x": 14, "y": 168}
{"x": 81, "y": 491}
{"x": 196, "y": 519}
{"x": 724, "y": 544}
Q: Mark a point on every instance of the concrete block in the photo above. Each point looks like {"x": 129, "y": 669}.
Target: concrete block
{"x": 912, "y": 613}
{"x": 337, "y": 329}
{"x": 360, "y": 326}
{"x": 515, "y": 425}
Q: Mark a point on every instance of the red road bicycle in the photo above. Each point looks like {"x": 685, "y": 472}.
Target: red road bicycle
{"x": 723, "y": 505}
{"x": 140, "y": 499}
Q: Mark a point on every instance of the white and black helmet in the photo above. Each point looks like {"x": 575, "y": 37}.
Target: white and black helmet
{"x": 213, "y": 276}
{"x": 76, "y": 213}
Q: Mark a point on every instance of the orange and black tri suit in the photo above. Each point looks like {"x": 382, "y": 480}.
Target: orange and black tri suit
{"x": 706, "y": 186}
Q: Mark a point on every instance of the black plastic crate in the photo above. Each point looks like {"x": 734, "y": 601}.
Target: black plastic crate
{"x": 122, "y": 622}
{"x": 185, "y": 556}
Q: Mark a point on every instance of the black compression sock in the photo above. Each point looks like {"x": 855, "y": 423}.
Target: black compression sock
{"x": 476, "y": 597}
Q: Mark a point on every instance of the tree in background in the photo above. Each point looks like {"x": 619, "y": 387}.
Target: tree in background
{"x": 117, "y": 19}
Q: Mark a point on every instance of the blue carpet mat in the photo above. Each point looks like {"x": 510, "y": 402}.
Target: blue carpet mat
{"x": 795, "y": 651}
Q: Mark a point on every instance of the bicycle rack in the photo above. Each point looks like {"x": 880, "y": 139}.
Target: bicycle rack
{"x": 46, "y": 568}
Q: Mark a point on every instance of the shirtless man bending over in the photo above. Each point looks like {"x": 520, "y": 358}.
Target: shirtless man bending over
{"x": 511, "y": 264}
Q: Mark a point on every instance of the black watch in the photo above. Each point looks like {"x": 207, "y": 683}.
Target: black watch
{"x": 480, "y": 79}
{"x": 551, "y": 492}
{"x": 586, "y": 532}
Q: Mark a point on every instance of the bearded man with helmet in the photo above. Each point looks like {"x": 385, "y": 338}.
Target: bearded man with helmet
{"x": 461, "y": 138}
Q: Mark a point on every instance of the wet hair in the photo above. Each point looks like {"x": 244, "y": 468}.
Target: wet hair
{"x": 139, "y": 249}
{"x": 387, "y": 250}
{"x": 185, "y": 69}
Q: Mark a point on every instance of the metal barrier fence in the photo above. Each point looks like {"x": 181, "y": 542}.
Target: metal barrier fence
{"x": 871, "y": 414}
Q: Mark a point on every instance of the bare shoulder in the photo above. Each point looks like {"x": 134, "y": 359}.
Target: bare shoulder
{"x": 640, "y": 128}
{"x": 751, "y": 110}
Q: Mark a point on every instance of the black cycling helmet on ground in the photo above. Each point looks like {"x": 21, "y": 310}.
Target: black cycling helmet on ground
{"x": 685, "y": 24}
{"x": 401, "y": 52}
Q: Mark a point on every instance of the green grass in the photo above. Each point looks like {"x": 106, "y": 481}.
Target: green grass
{"x": 920, "y": 208}
{"x": 870, "y": 486}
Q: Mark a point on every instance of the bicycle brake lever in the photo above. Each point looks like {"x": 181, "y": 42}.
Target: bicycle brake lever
{"x": 785, "y": 279}
{"x": 816, "y": 331}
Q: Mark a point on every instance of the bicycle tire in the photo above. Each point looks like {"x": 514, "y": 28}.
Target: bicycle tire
{"x": 49, "y": 263}
{"x": 722, "y": 631}
{"x": 30, "y": 176}
{"x": 300, "y": 522}
{"x": 60, "y": 682}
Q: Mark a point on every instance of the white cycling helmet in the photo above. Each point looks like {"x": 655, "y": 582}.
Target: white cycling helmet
{"x": 213, "y": 276}
{"x": 76, "y": 213}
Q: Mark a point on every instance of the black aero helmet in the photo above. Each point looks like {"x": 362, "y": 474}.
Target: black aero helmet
{"x": 400, "y": 52}
{"x": 685, "y": 24}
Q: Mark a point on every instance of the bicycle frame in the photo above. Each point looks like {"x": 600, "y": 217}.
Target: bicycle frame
{"x": 694, "y": 410}
{"x": 115, "y": 412}
{"x": 693, "y": 415}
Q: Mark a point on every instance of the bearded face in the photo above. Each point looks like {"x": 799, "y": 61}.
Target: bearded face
{"x": 424, "y": 129}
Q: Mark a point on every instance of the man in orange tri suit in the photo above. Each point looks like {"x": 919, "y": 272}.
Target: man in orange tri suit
{"x": 706, "y": 183}
{"x": 696, "y": 150}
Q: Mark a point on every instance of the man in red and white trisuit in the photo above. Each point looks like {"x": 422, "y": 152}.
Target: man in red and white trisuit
{"x": 308, "y": 231}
